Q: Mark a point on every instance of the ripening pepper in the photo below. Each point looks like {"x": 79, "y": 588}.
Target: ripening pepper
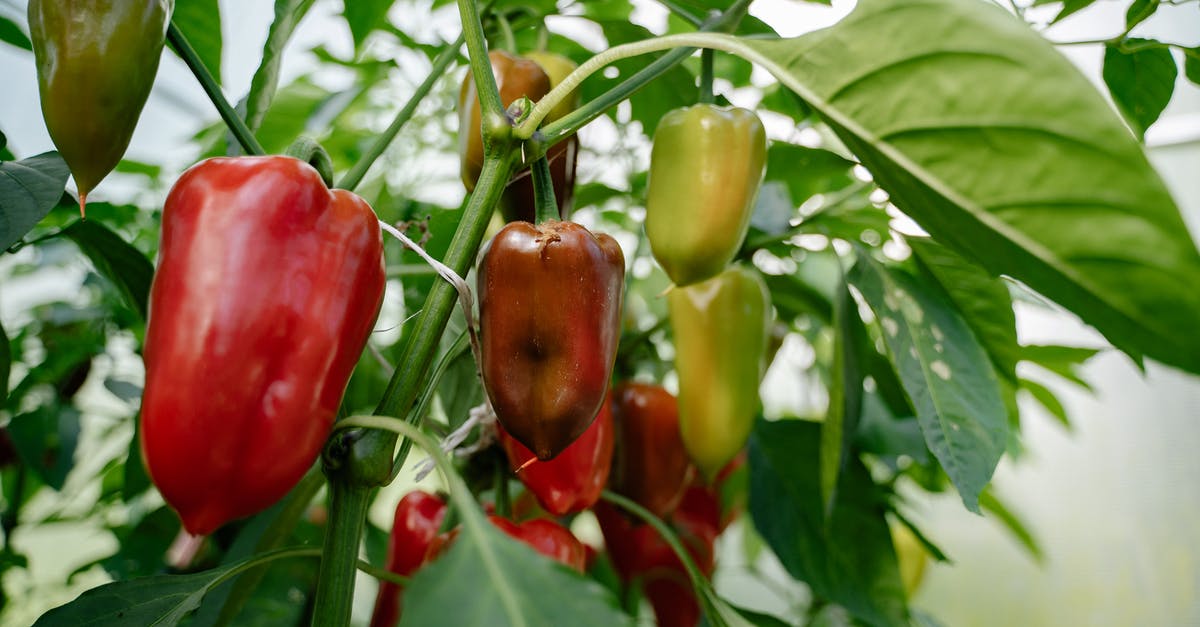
{"x": 651, "y": 465}
{"x": 515, "y": 77}
{"x": 268, "y": 284}
{"x": 96, "y": 61}
{"x": 720, "y": 328}
{"x": 706, "y": 166}
{"x": 518, "y": 202}
{"x": 532, "y": 76}
{"x": 642, "y": 557}
{"x": 549, "y": 320}
{"x": 416, "y": 523}
{"x": 572, "y": 481}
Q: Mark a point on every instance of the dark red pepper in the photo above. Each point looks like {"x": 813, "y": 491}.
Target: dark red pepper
{"x": 641, "y": 556}
{"x": 549, "y": 319}
{"x": 418, "y": 518}
{"x": 544, "y": 535}
{"x": 572, "y": 481}
{"x": 268, "y": 284}
{"x": 651, "y": 465}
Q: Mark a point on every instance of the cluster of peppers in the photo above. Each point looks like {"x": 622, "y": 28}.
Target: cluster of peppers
{"x": 259, "y": 256}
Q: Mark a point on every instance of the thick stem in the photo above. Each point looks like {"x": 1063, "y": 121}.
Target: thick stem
{"x": 339, "y": 556}
{"x": 236, "y": 126}
{"x": 546, "y": 208}
{"x": 443, "y": 61}
{"x": 490, "y": 107}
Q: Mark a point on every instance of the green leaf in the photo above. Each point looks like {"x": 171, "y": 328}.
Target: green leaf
{"x": 5, "y": 365}
{"x": 845, "y": 393}
{"x": 10, "y": 33}
{"x": 944, "y": 371}
{"x": 1048, "y": 400}
{"x": 994, "y": 169}
{"x": 807, "y": 171}
{"x": 1139, "y": 11}
{"x": 846, "y": 558}
{"x": 115, "y": 260}
{"x": 515, "y": 591}
{"x": 1013, "y": 523}
{"x": 29, "y": 189}
{"x": 1063, "y": 361}
{"x": 45, "y": 439}
{"x": 460, "y": 389}
{"x": 135, "y": 479}
{"x": 364, "y": 16}
{"x": 983, "y": 301}
{"x": 143, "y": 547}
{"x": 1141, "y": 80}
{"x": 1191, "y": 64}
{"x": 288, "y": 14}
{"x": 1070, "y": 7}
{"x": 200, "y": 22}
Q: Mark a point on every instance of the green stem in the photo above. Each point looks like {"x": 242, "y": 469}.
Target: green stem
{"x": 543, "y": 191}
{"x": 706, "y": 77}
{"x": 668, "y": 535}
{"x": 507, "y": 39}
{"x": 428, "y": 390}
{"x": 500, "y": 488}
{"x": 443, "y": 61}
{"x": 490, "y": 107}
{"x": 309, "y": 151}
{"x": 684, "y": 44}
{"x": 236, "y": 126}
{"x": 335, "y": 581}
{"x": 683, "y": 13}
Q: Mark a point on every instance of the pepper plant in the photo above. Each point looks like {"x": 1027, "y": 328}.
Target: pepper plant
{"x": 938, "y": 160}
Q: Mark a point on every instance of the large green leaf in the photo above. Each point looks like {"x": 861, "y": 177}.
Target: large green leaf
{"x": 10, "y": 33}
{"x": 363, "y": 16}
{"x": 509, "y": 584}
{"x": 200, "y": 22}
{"x": 944, "y": 371}
{"x": 288, "y": 14}
{"x": 846, "y": 558}
{"x": 29, "y": 189}
{"x": 116, "y": 260}
{"x": 1004, "y": 152}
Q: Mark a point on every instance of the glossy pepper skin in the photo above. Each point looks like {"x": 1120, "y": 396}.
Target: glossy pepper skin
{"x": 572, "y": 481}
{"x": 651, "y": 465}
{"x": 515, "y": 77}
{"x": 549, "y": 319}
{"x": 418, "y": 518}
{"x": 721, "y": 328}
{"x": 706, "y": 166}
{"x": 518, "y": 202}
{"x": 96, "y": 62}
{"x": 641, "y": 557}
{"x": 268, "y": 284}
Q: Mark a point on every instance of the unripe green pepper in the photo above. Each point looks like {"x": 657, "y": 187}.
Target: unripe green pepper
{"x": 721, "y": 328}
{"x": 96, "y": 61}
{"x": 706, "y": 166}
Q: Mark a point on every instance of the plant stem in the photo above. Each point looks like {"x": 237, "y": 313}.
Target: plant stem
{"x": 490, "y": 107}
{"x": 508, "y": 41}
{"x": 683, "y": 13}
{"x": 706, "y": 77}
{"x": 443, "y": 61}
{"x": 543, "y": 191}
{"x": 335, "y": 581}
{"x": 309, "y": 151}
{"x": 236, "y": 126}
{"x": 668, "y": 535}
{"x": 684, "y": 44}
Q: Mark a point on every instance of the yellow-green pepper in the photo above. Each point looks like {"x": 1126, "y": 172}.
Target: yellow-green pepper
{"x": 706, "y": 166}
{"x": 721, "y": 328}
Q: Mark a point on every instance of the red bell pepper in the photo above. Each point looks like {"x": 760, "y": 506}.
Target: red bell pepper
{"x": 651, "y": 465}
{"x": 418, "y": 518}
{"x": 549, "y": 320}
{"x": 572, "y": 481}
{"x": 268, "y": 284}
